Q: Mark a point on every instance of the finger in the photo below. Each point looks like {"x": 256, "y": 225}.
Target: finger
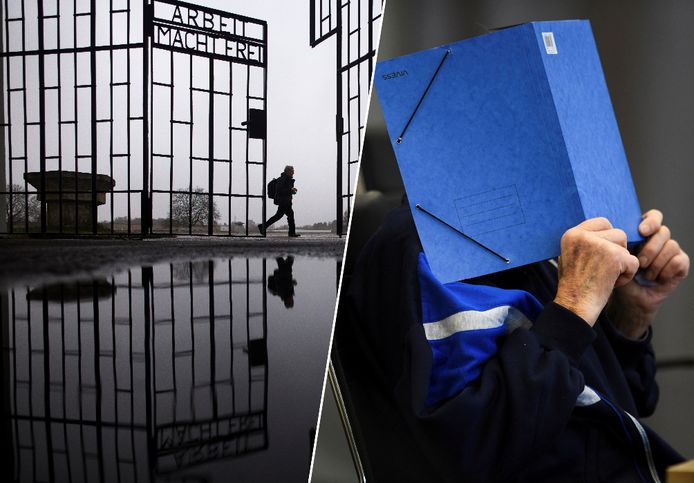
{"x": 676, "y": 269}
{"x": 614, "y": 235}
{"x": 670, "y": 249}
{"x": 654, "y": 246}
{"x": 630, "y": 265}
{"x": 596, "y": 224}
{"x": 652, "y": 220}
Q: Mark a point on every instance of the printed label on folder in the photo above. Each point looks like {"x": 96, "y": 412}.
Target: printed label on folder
{"x": 550, "y": 46}
{"x": 489, "y": 211}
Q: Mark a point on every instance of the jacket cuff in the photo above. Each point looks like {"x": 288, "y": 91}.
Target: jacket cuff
{"x": 629, "y": 351}
{"x": 559, "y": 328}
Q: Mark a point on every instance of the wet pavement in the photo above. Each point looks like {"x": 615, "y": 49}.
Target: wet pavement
{"x": 182, "y": 359}
{"x": 29, "y": 259}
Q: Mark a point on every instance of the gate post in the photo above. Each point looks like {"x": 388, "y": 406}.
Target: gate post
{"x": 340, "y": 25}
{"x": 146, "y": 204}
{"x": 3, "y": 122}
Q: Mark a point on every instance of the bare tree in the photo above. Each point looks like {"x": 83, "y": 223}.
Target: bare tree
{"x": 192, "y": 208}
{"x": 198, "y": 272}
{"x": 20, "y": 206}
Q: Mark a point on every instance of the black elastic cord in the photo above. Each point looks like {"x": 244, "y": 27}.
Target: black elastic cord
{"x": 399, "y": 140}
{"x": 419, "y": 207}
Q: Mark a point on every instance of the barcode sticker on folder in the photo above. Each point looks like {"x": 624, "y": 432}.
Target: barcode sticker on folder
{"x": 550, "y": 46}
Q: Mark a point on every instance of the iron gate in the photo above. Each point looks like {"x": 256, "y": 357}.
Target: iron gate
{"x": 131, "y": 117}
{"x": 356, "y": 27}
{"x": 208, "y": 144}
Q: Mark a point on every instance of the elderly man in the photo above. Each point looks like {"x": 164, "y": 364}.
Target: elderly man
{"x": 284, "y": 191}
{"x": 553, "y": 392}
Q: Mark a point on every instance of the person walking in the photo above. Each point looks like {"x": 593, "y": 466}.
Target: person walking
{"x": 284, "y": 191}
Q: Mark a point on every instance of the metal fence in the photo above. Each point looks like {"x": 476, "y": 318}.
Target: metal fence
{"x": 145, "y": 373}
{"x": 355, "y": 25}
{"x": 131, "y": 117}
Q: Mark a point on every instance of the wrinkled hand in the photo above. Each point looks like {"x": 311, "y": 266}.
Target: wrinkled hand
{"x": 664, "y": 265}
{"x": 594, "y": 260}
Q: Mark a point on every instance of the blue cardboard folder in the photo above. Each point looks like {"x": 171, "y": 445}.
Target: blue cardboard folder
{"x": 509, "y": 138}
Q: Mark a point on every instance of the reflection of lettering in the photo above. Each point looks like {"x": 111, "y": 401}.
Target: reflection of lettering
{"x": 179, "y": 435}
{"x": 211, "y": 451}
{"x": 186, "y": 444}
{"x": 206, "y": 32}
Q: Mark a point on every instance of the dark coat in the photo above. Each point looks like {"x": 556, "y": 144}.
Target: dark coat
{"x": 519, "y": 421}
{"x": 281, "y": 282}
{"x": 283, "y": 190}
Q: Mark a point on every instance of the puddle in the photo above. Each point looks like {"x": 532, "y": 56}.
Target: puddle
{"x": 206, "y": 370}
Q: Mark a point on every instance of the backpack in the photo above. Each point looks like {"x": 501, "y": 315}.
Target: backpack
{"x": 272, "y": 188}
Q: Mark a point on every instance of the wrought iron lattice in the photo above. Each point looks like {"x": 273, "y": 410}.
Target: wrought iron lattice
{"x": 145, "y": 373}
{"x": 104, "y": 103}
{"x": 356, "y": 27}
{"x": 209, "y": 84}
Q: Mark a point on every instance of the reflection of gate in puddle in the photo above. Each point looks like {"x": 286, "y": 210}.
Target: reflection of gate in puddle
{"x": 211, "y": 406}
{"x": 151, "y": 371}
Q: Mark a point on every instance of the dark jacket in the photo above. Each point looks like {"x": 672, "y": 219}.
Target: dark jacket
{"x": 283, "y": 190}
{"x": 519, "y": 421}
{"x": 281, "y": 282}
